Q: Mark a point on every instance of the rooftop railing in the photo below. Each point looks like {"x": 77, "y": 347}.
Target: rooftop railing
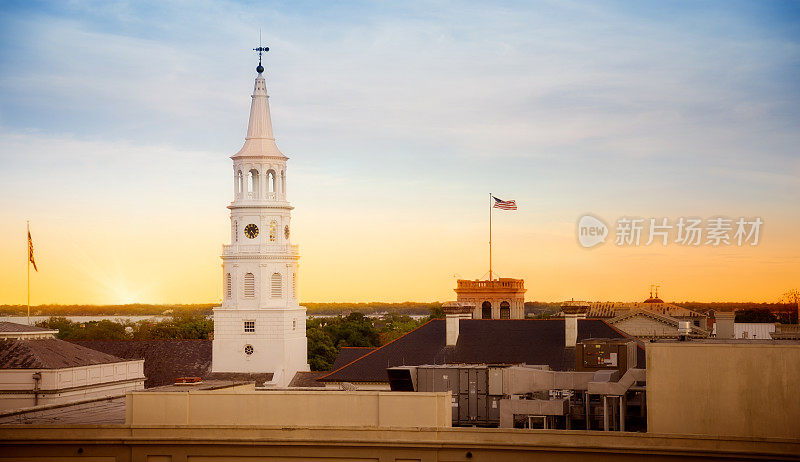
{"x": 493, "y": 284}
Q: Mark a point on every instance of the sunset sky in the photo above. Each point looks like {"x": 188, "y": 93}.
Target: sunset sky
{"x": 117, "y": 121}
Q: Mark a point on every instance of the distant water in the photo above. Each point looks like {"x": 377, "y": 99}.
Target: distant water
{"x": 36, "y": 319}
{"x": 153, "y": 318}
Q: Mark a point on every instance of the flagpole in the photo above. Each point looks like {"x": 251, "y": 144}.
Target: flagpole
{"x": 27, "y": 241}
{"x": 490, "y": 236}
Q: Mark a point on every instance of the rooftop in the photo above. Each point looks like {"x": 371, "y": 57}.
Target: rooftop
{"x": 94, "y": 411}
{"x": 165, "y": 360}
{"x": 102, "y": 411}
{"x": 349, "y": 354}
{"x": 307, "y": 379}
{"x": 612, "y": 309}
{"x": 489, "y": 341}
{"x": 6, "y": 326}
{"x": 49, "y": 353}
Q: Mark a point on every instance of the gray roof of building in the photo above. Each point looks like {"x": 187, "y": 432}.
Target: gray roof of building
{"x": 164, "y": 360}
{"x": 349, "y": 354}
{"x": 305, "y": 379}
{"x": 480, "y": 341}
{"x": 238, "y": 377}
{"x": 6, "y": 326}
{"x": 95, "y": 412}
{"x": 49, "y": 353}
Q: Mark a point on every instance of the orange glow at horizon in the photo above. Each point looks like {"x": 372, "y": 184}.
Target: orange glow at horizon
{"x": 384, "y": 260}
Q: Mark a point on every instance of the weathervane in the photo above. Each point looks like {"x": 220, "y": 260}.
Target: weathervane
{"x": 260, "y": 50}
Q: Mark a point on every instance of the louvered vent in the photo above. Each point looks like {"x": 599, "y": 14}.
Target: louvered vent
{"x": 277, "y": 286}
{"x": 249, "y": 285}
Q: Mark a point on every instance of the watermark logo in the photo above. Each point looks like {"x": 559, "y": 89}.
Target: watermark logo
{"x": 591, "y": 231}
{"x": 689, "y": 232}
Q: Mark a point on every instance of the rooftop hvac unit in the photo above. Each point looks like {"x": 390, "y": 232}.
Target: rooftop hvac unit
{"x": 596, "y": 354}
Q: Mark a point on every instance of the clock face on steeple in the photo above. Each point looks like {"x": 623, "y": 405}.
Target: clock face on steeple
{"x": 251, "y": 231}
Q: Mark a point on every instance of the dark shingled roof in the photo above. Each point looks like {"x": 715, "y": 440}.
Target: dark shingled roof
{"x": 480, "y": 341}
{"x": 49, "y": 353}
{"x": 164, "y": 360}
{"x": 349, "y": 354}
{"x": 6, "y": 326}
{"x": 307, "y": 379}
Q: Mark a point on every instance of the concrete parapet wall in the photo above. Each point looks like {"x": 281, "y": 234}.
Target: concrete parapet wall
{"x": 320, "y": 444}
{"x": 744, "y": 389}
{"x": 370, "y": 409}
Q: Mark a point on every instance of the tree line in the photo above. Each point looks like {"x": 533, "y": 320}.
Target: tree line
{"x": 325, "y": 335}
{"x": 532, "y": 308}
{"x": 141, "y": 309}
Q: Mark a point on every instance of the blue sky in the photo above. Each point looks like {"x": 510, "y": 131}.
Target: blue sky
{"x": 402, "y": 116}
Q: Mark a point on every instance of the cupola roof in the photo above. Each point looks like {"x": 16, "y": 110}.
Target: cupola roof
{"x": 260, "y": 141}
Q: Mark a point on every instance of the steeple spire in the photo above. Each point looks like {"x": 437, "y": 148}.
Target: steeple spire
{"x": 260, "y": 141}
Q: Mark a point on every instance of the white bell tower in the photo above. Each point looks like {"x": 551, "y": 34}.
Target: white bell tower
{"x": 260, "y": 327}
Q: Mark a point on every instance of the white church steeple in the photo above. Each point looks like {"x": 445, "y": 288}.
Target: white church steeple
{"x": 260, "y": 327}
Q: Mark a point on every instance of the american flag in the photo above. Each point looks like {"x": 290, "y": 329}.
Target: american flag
{"x": 30, "y": 252}
{"x": 505, "y": 205}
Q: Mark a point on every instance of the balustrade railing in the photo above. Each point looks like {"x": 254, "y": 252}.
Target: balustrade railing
{"x": 495, "y": 284}
{"x": 254, "y": 196}
{"x": 256, "y": 248}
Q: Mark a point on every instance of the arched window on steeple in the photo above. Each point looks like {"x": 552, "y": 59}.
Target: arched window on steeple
{"x": 283, "y": 184}
{"x": 239, "y": 183}
{"x": 252, "y": 184}
{"x": 272, "y": 183}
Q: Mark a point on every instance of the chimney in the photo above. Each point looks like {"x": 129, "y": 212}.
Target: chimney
{"x": 724, "y": 321}
{"x": 455, "y": 311}
{"x": 684, "y": 329}
{"x": 572, "y": 312}
{"x": 451, "y": 325}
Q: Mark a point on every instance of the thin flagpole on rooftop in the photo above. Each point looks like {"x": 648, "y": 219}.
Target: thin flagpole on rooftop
{"x": 28, "y": 264}
{"x": 490, "y": 236}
